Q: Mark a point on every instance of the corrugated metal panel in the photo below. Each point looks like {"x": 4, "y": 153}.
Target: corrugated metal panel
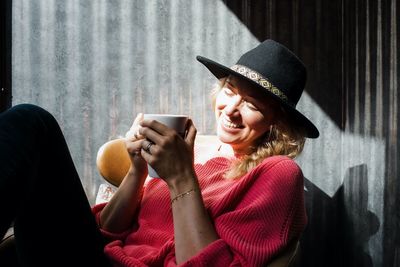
{"x": 370, "y": 79}
{"x": 95, "y": 64}
{"x": 350, "y": 48}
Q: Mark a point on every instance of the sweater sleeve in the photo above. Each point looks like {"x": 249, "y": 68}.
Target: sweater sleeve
{"x": 96, "y": 210}
{"x": 264, "y": 219}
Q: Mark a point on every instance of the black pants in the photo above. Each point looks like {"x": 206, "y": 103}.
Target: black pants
{"x": 40, "y": 191}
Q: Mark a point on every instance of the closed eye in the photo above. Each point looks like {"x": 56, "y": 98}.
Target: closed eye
{"x": 228, "y": 91}
{"x": 251, "y": 106}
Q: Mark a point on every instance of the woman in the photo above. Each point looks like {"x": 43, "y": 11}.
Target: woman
{"x": 237, "y": 203}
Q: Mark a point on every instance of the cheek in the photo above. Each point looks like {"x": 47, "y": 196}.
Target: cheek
{"x": 257, "y": 123}
{"x": 219, "y": 99}
{"x": 219, "y": 104}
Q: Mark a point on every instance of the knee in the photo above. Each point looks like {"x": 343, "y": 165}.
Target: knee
{"x": 33, "y": 115}
{"x": 31, "y": 111}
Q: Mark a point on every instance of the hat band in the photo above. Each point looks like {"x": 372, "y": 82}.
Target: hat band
{"x": 261, "y": 80}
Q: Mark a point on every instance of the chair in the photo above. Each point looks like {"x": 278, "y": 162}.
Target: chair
{"x": 8, "y": 253}
{"x": 290, "y": 257}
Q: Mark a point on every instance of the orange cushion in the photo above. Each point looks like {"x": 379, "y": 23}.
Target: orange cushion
{"x": 113, "y": 161}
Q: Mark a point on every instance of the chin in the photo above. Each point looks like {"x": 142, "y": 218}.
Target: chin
{"x": 225, "y": 137}
{"x": 221, "y": 136}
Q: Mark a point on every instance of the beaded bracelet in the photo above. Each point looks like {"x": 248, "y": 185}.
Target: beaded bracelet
{"x": 183, "y": 195}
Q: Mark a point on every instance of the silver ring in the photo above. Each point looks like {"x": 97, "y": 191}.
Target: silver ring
{"x": 147, "y": 149}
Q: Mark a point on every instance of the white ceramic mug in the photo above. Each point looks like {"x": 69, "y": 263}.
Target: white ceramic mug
{"x": 176, "y": 122}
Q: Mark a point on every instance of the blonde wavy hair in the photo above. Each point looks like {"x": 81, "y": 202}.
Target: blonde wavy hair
{"x": 283, "y": 138}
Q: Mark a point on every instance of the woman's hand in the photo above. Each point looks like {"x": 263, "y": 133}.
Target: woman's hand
{"x": 171, "y": 155}
{"x": 133, "y": 142}
{"x": 119, "y": 213}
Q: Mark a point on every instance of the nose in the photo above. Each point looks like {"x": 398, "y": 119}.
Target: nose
{"x": 232, "y": 106}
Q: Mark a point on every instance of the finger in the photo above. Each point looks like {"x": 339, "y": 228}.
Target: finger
{"x": 133, "y": 135}
{"x": 191, "y": 133}
{"x": 134, "y": 147}
{"x": 138, "y": 119}
{"x": 146, "y": 146}
{"x": 133, "y": 132}
{"x": 156, "y": 126}
{"x": 135, "y": 123}
{"x": 146, "y": 156}
{"x": 151, "y": 135}
{"x": 137, "y": 135}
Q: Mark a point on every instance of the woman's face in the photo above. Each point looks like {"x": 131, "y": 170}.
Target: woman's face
{"x": 241, "y": 118}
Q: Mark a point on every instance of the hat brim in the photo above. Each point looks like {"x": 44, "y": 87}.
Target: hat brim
{"x": 221, "y": 71}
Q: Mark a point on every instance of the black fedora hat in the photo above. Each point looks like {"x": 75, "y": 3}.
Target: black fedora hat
{"x": 275, "y": 71}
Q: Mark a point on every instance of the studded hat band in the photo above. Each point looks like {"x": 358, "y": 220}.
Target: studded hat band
{"x": 261, "y": 80}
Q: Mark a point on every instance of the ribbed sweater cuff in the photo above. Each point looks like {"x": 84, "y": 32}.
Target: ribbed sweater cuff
{"x": 96, "y": 210}
{"x": 215, "y": 254}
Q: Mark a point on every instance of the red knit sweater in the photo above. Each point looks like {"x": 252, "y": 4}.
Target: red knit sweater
{"x": 255, "y": 217}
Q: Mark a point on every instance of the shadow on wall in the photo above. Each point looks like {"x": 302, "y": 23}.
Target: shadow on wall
{"x": 313, "y": 30}
{"x": 340, "y": 227}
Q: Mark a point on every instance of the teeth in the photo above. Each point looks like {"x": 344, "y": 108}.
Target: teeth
{"x": 229, "y": 124}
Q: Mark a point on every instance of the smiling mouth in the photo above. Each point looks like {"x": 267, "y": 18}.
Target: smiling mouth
{"x": 229, "y": 124}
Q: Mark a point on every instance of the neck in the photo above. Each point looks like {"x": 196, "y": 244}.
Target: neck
{"x": 231, "y": 151}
